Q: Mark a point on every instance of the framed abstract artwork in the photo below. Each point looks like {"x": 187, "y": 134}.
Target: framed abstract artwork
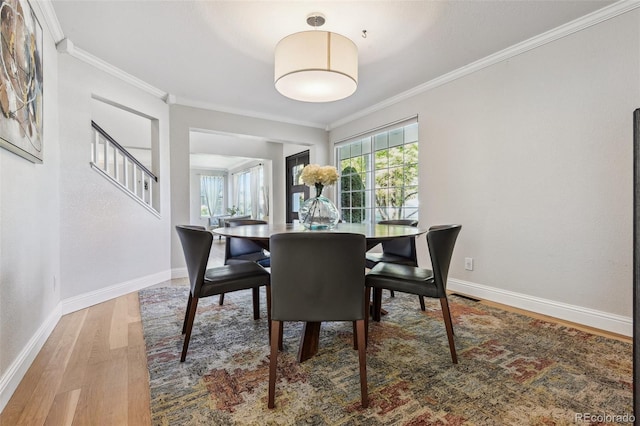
{"x": 21, "y": 80}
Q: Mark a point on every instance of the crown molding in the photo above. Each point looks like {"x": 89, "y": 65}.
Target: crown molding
{"x": 564, "y": 30}
{"x": 212, "y": 107}
{"x": 50, "y": 19}
{"x": 67, "y": 46}
{"x": 64, "y": 45}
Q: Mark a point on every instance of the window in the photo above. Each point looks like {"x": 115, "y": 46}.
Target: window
{"x": 211, "y": 195}
{"x": 243, "y": 187}
{"x": 379, "y": 175}
{"x": 251, "y": 194}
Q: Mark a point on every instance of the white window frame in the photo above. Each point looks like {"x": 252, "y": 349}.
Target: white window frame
{"x": 362, "y": 148}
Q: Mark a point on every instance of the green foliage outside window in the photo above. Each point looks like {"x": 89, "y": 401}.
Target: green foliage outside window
{"x": 353, "y": 197}
{"x": 396, "y": 180}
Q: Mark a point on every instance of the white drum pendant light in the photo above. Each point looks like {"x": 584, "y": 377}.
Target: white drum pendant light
{"x": 316, "y": 66}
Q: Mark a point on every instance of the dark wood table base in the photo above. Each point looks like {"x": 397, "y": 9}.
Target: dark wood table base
{"x": 309, "y": 341}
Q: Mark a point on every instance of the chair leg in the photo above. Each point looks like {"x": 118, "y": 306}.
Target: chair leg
{"x": 362, "y": 361}
{"x": 189, "y": 325}
{"x": 393, "y": 294}
{"x": 355, "y": 336}
{"x": 446, "y": 314}
{"x": 256, "y": 302}
{"x": 368, "y": 307}
{"x": 422, "y": 307}
{"x": 268, "y": 290}
{"x": 221, "y": 300}
{"x": 377, "y": 304}
{"x": 276, "y": 327}
{"x": 186, "y": 313}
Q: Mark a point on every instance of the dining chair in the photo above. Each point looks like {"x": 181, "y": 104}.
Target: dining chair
{"x": 240, "y": 250}
{"x": 441, "y": 240}
{"x": 399, "y": 250}
{"x": 196, "y": 245}
{"x": 318, "y": 277}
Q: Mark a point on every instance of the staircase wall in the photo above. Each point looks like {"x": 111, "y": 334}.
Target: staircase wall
{"x": 107, "y": 239}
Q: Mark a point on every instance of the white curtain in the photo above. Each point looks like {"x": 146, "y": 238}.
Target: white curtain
{"x": 248, "y": 191}
{"x": 236, "y": 190}
{"x": 255, "y": 191}
{"x": 212, "y": 190}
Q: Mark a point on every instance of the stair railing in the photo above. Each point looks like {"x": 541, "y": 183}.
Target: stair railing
{"x": 119, "y": 166}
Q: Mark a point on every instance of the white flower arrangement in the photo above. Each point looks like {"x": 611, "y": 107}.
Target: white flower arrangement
{"x": 314, "y": 175}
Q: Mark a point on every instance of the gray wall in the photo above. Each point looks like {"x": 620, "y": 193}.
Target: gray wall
{"x": 533, "y": 156}
{"x": 30, "y": 239}
{"x": 106, "y": 238}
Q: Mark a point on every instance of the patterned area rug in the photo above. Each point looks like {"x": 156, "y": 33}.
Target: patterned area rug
{"x": 512, "y": 369}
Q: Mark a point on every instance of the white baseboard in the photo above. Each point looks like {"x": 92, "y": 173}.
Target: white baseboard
{"x": 179, "y": 273}
{"x": 82, "y": 301}
{"x": 585, "y": 316}
{"x": 11, "y": 378}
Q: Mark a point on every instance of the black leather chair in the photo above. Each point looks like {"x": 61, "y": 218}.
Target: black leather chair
{"x": 401, "y": 250}
{"x": 196, "y": 244}
{"x": 202, "y": 228}
{"x": 239, "y": 250}
{"x": 318, "y": 277}
{"x": 424, "y": 282}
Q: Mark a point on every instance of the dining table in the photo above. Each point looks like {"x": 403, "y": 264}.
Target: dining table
{"x": 374, "y": 234}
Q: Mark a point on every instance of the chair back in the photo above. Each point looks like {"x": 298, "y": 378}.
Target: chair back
{"x": 196, "y": 245}
{"x": 202, "y": 228}
{"x": 441, "y": 240}
{"x": 317, "y": 276}
{"x": 240, "y": 246}
{"x": 242, "y": 221}
{"x": 405, "y": 247}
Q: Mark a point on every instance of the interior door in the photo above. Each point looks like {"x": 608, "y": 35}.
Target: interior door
{"x": 297, "y": 191}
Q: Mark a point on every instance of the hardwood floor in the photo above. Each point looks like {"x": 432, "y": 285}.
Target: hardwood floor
{"x": 93, "y": 368}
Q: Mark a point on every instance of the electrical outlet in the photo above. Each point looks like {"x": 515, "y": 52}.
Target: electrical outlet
{"x": 468, "y": 263}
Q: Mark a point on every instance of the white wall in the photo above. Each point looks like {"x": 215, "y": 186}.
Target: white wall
{"x": 533, "y": 156}
{"x": 29, "y": 242}
{"x": 270, "y": 137}
{"x": 108, "y": 241}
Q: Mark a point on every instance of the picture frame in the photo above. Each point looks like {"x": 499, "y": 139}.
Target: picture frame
{"x": 21, "y": 80}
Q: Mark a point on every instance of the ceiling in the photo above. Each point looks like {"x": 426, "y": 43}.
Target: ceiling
{"x": 219, "y": 54}
{"x": 217, "y": 162}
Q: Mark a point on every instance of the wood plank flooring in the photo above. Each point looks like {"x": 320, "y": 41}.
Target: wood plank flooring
{"x": 93, "y": 368}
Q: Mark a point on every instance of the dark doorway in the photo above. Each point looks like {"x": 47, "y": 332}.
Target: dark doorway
{"x": 297, "y": 191}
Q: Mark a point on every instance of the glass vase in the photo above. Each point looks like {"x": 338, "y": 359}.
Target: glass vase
{"x": 318, "y": 213}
